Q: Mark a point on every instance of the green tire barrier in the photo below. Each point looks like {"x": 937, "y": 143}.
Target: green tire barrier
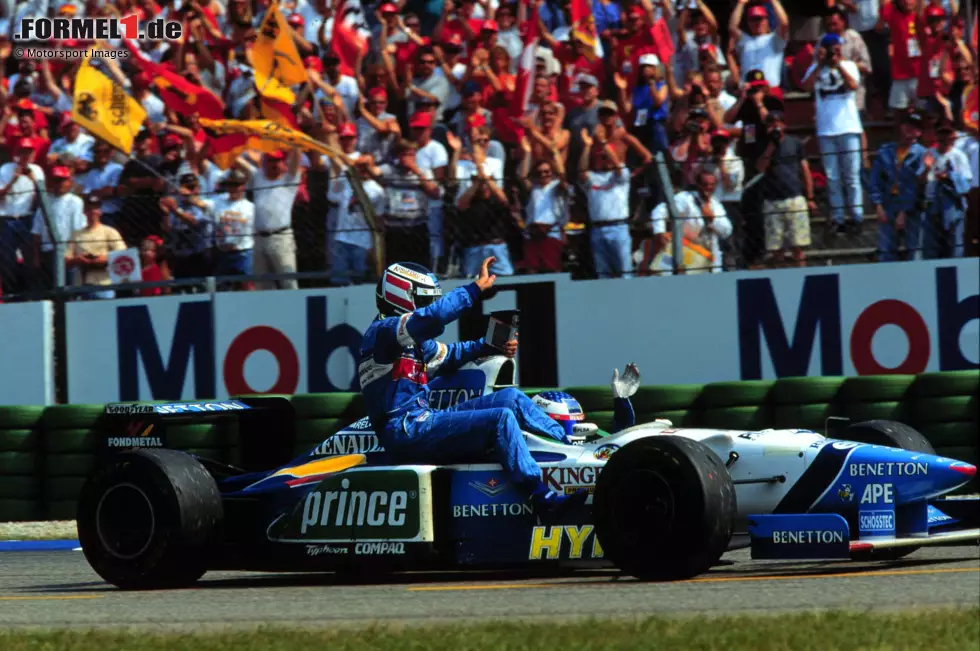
{"x": 950, "y": 383}
{"x": 27, "y": 487}
{"x": 747, "y": 418}
{"x": 18, "y": 440}
{"x": 876, "y": 388}
{"x": 667, "y": 398}
{"x": 803, "y": 416}
{"x": 59, "y": 489}
{"x": 329, "y": 405}
{"x": 963, "y": 434}
{"x": 17, "y": 463}
{"x": 62, "y": 510}
{"x": 18, "y": 510}
{"x": 946, "y": 410}
{"x": 69, "y": 465}
{"x": 734, "y": 394}
{"x": 805, "y": 390}
{"x": 72, "y": 441}
{"x": 71, "y": 417}
{"x": 861, "y": 411}
{"x": 592, "y": 399}
{"x": 21, "y": 417}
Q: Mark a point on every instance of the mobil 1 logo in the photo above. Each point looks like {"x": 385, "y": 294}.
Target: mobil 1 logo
{"x": 352, "y": 506}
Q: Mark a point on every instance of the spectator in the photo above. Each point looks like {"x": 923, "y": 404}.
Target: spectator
{"x": 585, "y": 116}
{"x": 274, "y": 186}
{"x": 834, "y": 81}
{"x": 948, "y": 174}
{"x": 102, "y": 179}
{"x": 18, "y": 196}
{"x": 484, "y": 221}
{"x": 154, "y": 266}
{"x": 936, "y": 73}
{"x": 432, "y": 159}
{"x": 354, "y": 241}
{"x": 90, "y": 247}
{"x": 729, "y": 171}
{"x": 377, "y": 129}
{"x": 760, "y": 49}
{"x": 704, "y": 220}
{"x": 74, "y": 148}
{"x": 701, "y": 37}
{"x": 693, "y": 147}
{"x": 862, "y": 16}
{"x": 345, "y": 85}
{"x": 408, "y": 189}
{"x": 788, "y": 188}
{"x": 141, "y": 182}
{"x": 427, "y": 84}
{"x": 853, "y": 49}
{"x": 895, "y": 190}
{"x": 901, "y": 19}
{"x": 509, "y": 36}
{"x": 190, "y": 228}
{"x": 648, "y": 103}
{"x": 65, "y": 213}
{"x": 234, "y": 223}
{"x": 546, "y": 210}
{"x": 606, "y": 181}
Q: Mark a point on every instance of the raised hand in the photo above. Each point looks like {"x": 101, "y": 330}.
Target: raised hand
{"x": 485, "y": 280}
{"x": 627, "y": 385}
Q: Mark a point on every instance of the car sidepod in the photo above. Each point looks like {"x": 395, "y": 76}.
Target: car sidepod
{"x": 855, "y": 497}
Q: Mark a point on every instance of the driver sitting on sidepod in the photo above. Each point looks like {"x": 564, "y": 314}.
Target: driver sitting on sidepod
{"x": 397, "y": 355}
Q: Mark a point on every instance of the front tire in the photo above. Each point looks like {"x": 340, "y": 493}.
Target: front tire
{"x": 147, "y": 518}
{"x": 664, "y": 508}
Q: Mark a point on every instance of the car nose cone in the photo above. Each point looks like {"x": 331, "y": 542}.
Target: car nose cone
{"x": 912, "y": 475}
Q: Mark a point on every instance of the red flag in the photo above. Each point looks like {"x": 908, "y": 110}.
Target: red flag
{"x": 224, "y": 149}
{"x": 180, "y": 94}
{"x": 662, "y": 40}
{"x": 345, "y": 42}
{"x": 277, "y": 111}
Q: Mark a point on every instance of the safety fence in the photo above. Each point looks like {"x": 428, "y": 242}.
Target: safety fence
{"x": 647, "y": 217}
{"x": 46, "y": 452}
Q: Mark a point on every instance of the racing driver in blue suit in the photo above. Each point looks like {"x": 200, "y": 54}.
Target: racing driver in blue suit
{"x": 399, "y": 353}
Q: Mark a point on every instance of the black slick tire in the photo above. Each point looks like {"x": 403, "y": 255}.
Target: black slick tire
{"x": 147, "y": 519}
{"x": 664, "y": 508}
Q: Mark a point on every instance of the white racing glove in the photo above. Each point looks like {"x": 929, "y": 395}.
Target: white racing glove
{"x": 628, "y": 384}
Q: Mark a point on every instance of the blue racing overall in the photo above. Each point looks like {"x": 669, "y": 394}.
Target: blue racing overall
{"x": 397, "y": 356}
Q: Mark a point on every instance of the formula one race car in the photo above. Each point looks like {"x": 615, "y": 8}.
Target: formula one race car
{"x": 665, "y": 501}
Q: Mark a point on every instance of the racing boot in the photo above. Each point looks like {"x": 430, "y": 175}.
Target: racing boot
{"x": 548, "y": 504}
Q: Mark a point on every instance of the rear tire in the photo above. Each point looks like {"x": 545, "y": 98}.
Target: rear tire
{"x": 664, "y": 508}
{"x": 147, "y": 519}
{"x": 894, "y": 435}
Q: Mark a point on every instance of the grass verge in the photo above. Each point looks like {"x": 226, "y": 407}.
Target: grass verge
{"x": 52, "y": 530}
{"x": 954, "y": 629}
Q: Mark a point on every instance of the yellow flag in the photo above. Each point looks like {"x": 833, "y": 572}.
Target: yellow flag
{"x": 103, "y": 108}
{"x": 269, "y": 131}
{"x": 275, "y": 53}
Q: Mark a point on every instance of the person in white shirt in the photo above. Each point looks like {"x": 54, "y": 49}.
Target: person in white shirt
{"x": 354, "y": 241}
{"x": 834, "y": 82}
{"x": 606, "y": 182}
{"x": 729, "y": 169}
{"x": 274, "y": 186}
{"x": 704, "y": 219}
{"x": 762, "y": 48}
{"x": 74, "y": 148}
{"x": 949, "y": 177}
{"x": 345, "y": 85}
{"x": 433, "y": 158}
{"x": 102, "y": 179}
{"x": 546, "y": 211}
{"x": 408, "y": 188}
{"x": 18, "y": 197}
{"x": 234, "y": 219}
{"x": 66, "y": 214}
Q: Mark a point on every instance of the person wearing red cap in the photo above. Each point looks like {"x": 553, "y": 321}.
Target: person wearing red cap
{"x": 73, "y": 148}
{"x": 936, "y": 73}
{"x": 377, "y": 129}
{"x": 18, "y": 194}
{"x": 26, "y": 126}
{"x": 274, "y": 186}
{"x": 639, "y": 37}
{"x": 462, "y": 23}
{"x": 433, "y": 159}
{"x": 66, "y": 214}
{"x": 761, "y": 48}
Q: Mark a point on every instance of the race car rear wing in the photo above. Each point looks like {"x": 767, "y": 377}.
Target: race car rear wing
{"x": 264, "y": 425}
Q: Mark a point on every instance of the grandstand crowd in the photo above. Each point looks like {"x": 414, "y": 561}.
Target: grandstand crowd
{"x": 552, "y": 134}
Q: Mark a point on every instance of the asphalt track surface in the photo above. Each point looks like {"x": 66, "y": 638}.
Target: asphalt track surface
{"x": 58, "y": 589}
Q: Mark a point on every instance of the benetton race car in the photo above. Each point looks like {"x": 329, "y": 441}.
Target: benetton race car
{"x": 666, "y": 502}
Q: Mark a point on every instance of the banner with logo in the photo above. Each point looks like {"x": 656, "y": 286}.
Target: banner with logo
{"x": 856, "y": 320}
{"x": 27, "y": 351}
{"x": 103, "y": 108}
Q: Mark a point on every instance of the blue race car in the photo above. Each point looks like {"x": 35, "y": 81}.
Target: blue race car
{"x": 666, "y": 502}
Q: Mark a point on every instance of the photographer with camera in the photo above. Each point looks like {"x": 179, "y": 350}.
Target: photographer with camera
{"x": 788, "y": 190}
{"x": 834, "y": 82}
{"x": 692, "y": 147}
{"x": 947, "y": 172}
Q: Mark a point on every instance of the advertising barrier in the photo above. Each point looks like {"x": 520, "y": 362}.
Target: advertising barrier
{"x": 859, "y": 320}
{"x": 26, "y": 353}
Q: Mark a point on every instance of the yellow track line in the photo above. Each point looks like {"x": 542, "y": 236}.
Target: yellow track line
{"x": 52, "y": 597}
{"x": 720, "y": 579}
